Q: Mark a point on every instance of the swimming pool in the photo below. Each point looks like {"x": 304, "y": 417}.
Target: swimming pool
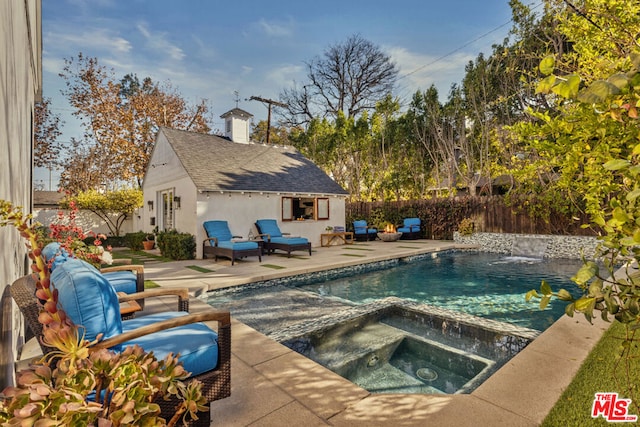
{"x": 482, "y": 284}
{"x": 477, "y": 283}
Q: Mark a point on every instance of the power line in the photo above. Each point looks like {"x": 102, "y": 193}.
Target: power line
{"x": 440, "y": 58}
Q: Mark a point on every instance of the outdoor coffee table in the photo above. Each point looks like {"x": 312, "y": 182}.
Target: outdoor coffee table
{"x": 328, "y": 239}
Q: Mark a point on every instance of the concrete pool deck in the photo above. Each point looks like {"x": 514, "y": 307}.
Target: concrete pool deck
{"x": 275, "y": 386}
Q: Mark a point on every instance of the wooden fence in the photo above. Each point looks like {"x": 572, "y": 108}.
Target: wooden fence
{"x": 440, "y": 217}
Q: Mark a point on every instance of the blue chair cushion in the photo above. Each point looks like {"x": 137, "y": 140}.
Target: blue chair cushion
{"x": 218, "y": 229}
{"x": 408, "y": 222}
{"x": 88, "y": 298}
{"x": 410, "y": 225}
{"x": 290, "y": 240}
{"x": 122, "y": 281}
{"x": 196, "y": 343}
{"x": 270, "y": 227}
{"x": 238, "y": 246}
{"x": 54, "y": 254}
{"x": 360, "y": 227}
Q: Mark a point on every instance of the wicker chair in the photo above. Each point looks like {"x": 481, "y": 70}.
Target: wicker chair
{"x": 410, "y": 229}
{"x": 362, "y": 231}
{"x": 219, "y": 242}
{"x": 216, "y": 383}
{"x": 275, "y": 239}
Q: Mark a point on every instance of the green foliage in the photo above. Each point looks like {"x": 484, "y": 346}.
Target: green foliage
{"x": 592, "y": 140}
{"x": 113, "y": 207}
{"x": 176, "y": 245}
{"x": 466, "y": 227}
{"x": 134, "y": 240}
{"x": 78, "y": 385}
{"x": 114, "y": 241}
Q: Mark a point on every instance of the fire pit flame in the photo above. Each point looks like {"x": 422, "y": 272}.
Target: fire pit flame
{"x": 389, "y": 234}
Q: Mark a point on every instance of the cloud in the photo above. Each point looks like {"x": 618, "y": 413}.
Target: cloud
{"x": 158, "y": 42}
{"x": 100, "y": 39}
{"x": 284, "y": 75}
{"x": 273, "y": 29}
{"x": 419, "y": 71}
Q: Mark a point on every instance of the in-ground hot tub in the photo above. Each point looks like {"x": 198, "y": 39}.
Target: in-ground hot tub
{"x": 410, "y": 348}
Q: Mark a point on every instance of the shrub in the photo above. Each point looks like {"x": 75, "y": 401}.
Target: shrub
{"x": 466, "y": 227}
{"x": 134, "y": 240}
{"x": 176, "y": 245}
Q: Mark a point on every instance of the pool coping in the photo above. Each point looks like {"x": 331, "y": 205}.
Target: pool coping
{"x": 273, "y": 385}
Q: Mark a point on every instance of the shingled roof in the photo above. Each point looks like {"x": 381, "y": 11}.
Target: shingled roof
{"x": 217, "y": 164}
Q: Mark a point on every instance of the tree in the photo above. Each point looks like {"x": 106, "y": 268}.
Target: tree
{"x": 121, "y": 118}
{"x": 46, "y": 149}
{"x": 591, "y": 141}
{"x": 113, "y": 207}
{"x": 349, "y": 77}
{"x": 279, "y": 135}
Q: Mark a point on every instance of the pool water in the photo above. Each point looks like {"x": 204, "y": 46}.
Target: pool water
{"x": 411, "y": 348}
{"x": 477, "y": 283}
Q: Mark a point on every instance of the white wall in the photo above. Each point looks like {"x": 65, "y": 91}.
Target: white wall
{"x": 242, "y": 211}
{"x": 166, "y": 173}
{"x": 85, "y": 219}
{"x": 20, "y": 88}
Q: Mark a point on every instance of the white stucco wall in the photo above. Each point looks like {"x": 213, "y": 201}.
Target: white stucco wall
{"x": 166, "y": 173}
{"x": 242, "y": 210}
{"x": 85, "y": 219}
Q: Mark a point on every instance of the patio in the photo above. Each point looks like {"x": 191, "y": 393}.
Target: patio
{"x": 273, "y": 385}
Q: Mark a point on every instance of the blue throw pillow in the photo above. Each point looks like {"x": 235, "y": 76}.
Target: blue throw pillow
{"x": 54, "y": 255}
{"x": 88, "y": 298}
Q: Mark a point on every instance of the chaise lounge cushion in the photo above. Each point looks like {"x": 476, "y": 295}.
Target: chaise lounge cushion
{"x": 218, "y": 229}
{"x": 90, "y": 301}
{"x": 238, "y": 246}
{"x": 290, "y": 240}
{"x": 270, "y": 227}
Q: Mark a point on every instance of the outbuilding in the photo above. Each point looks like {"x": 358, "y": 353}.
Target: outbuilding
{"x": 194, "y": 177}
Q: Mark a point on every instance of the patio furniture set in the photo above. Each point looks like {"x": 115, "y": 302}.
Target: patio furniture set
{"x": 107, "y": 302}
{"x": 221, "y": 242}
{"x": 410, "y": 230}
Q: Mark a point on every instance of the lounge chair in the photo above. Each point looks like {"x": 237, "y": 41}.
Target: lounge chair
{"x": 91, "y": 302}
{"x": 410, "y": 229}
{"x": 363, "y": 232}
{"x": 275, "y": 239}
{"x": 219, "y": 242}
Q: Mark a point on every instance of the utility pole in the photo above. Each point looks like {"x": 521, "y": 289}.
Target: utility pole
{"x": 269, "y": 102}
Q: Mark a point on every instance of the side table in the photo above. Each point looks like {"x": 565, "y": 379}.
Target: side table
{"x": 328, "y": 239}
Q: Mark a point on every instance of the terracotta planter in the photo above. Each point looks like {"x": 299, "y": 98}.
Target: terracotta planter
{"x": 148, "y": 244}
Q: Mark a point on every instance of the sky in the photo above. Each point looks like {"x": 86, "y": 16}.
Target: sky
{"x": 225, "y": 51}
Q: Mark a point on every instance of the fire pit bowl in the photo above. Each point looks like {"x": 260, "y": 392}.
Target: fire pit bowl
{"x": 389, "y": 237}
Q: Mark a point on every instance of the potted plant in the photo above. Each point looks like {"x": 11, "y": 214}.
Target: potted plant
{"x": 149, "y": 242}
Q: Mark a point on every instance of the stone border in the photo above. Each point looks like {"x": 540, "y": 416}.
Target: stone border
{"x": 573, "y": 247}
